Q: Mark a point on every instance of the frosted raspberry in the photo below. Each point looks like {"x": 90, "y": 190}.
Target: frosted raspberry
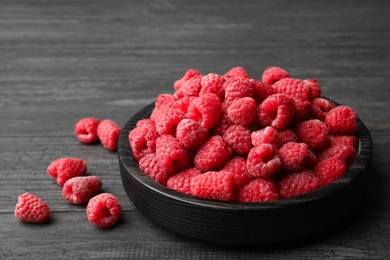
{"x": 263, "y": 161}
{"x": 345, "y": 154}
{"x": 314, "y": 133}
{"x": 142, "y": 139}
{"x": 86, "y": 130}
{"x": 285, "y": 136}
{"x": 206, "y": 110}
{"x": 182, "y": 180}
{"x": 31, "y": 208}
{"x": 320, "y": 107}
{"x": 311, "y": 159}
{"x": 293, "y": 156}
{"x": 213, "y": 83}
{"x": 190, "y": 88}
{"x": 191, "y": 133}
{"x": 344, "y": 140}
{"x": 258, "y": 190}
{"x": 108, "y": 132}
{"x": 188, "y": 75}
{"x": 150, "y": 166}
{"x": 64, "y": 169}
{"x": 171, "y": 154}
{"x": 164, "y": 101}
{"x": 79, "y": 190}
{"x": 276, "y": 110}
{"x": 329, "y": 170}
{"x": 216, "y": 185}
{"x": 104, "y": 210}
{"x": 297, "y": 183}
{"x": 293, "y": 88}
{"x": 237, "y": 167}
{"x": 341, "y": 120}
{"x": 263, "y": 91}
{"x": 274, "y": 74}
{"x": 236, "y": 88}
{"x": 315, "y": 88}
{"x": 236, "y": 72}
{"x": 238, "y": 137}
{"x": 242, "y": 111}
{"x": 267, "y": 135}
{"x": 167, "y": 120}
{"x": 213, "y": 154}
{"x": 223, "y": 124}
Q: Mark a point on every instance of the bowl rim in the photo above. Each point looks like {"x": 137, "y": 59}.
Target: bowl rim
{"x": 364, "y": 150}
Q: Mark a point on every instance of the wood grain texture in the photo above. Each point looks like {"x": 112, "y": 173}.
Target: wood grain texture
{"x": 64, "y": 60}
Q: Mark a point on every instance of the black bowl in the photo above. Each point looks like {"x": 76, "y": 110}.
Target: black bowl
{"x": 243, "y": 223}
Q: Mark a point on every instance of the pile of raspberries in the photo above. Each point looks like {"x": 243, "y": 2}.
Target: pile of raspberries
{"x": 234, "y": 138}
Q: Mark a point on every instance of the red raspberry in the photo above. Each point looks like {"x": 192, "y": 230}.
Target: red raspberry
{"x": 258, "y": 190}
{"x": 79, "y": 190}
{"x": 182, "y": 180}
{"x": 276, "y": 110}
{"x": 142, "y": 139}
{"x": 274, "y": 74}
{"x": 314, "y": 133}
{"x": 267, "y": 135}
{"x": 293, "y": 156}
{"x": 150, "y": 166}
{"x": 315, "y": 88}
{"x": 345, "y": 140}
{"x": 236, "y": 72}
{"x": 167, "y": 120}
{"x": 302, "y": 111}
{"x": 320, "y": 107}
{"x": 236, "y": 88}
{"x": 188, "y": 75}
{"x": 164, "y": 101}
{"x": 191, "y": 133}
{"x": 263, "y": 161}
{"x": 64, "y": 169}
{"x": 329, "y": 170}
{"x": 341, "y": 120}
{"x": 104, "y": 210}
{"x": 213, "y": 185}
{"x": 108, "y": 132}
{"x": 86, "y": 130}
{"x": 238, "y": 137}
{"x": 223, "y": 124}
{"x": 206, "y": 110}
{"x": 237, "y": 167}
{"x": 263, "y": 91}
{"x": 31, "y": 208}
{"x": 242, "y": 111}
{"x": 293, "y": 88}
{"x": 285, "y": 136}
{"x": 297, "y": 183}
{"x": 171, "y": 154}
{"x": 213, "y": 154}
{"x": 311, "y": 159}
{"x": 345, "y": 154}
{"x": 213, "y": 83}
{"x": 190, "y": 88}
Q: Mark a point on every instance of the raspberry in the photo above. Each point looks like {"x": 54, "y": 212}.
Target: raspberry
{"x": 237, "y": 167}
{"x": 31, "y": 208}
{"x": 206, "y": 110}
{"x": 311, "y": 159}
{"x": 236, "y": 72}
{"x": 164, "y": 101}
{"x": 150, "y": 166}
{"x": 238, "y": 137}
{"x": 237, "y": 87}
{"x": 341, "y": 120}
{"x": 167, "y": 120}
{"x": 213, "y": 154}
{"x": 142, "y": 139}
{"x": 265, "y": 135}
{"x": 274, "y": 74}
{"x": 217, "y": 185}
{"x": 171, "y": 154}
{"x": 263, "y": 161}
{"x": 276, "y": 110}
{"x": 182, "y": 180}
{"x": 258, "y": 190}
{"x": 293, "y": 156}
{"x": 64, "y": 169}
{"x": 263, "y": 91}
{"x": 285, "y": 136}
{"x": 86, "y": 130}
{"x": 320, "y": 107}
{"x": 104, "y": 210}
{"x": 345, "y": 140}
{"x": 302, "y": 111}
{"x": 315, "y": 88}
{"x": 79, "y": 190}
{"x": 242, "y": 111}
{"x": 108, "y": 132}
{"x": 213, "y": 83}
{"x": 329, "y": 170}
{"x": 293, "y": 88}
{"x": 223, "y": 124}
{"x": 297, "y": 183}
{"x": 314, "y": 133}
{"x": 191, "y": 133}
{"x": 188, "y": 75}
{"x": 190, "y": 88}
{"x": 345, "y": 154}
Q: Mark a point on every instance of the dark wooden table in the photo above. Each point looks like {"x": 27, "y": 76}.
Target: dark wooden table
{"x": 61, "y": 61}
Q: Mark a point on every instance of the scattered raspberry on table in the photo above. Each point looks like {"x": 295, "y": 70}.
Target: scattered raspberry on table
{"x": 79, "y": 190}
{"x": 31, "y": 208}
{"x": 63, "y": 169}
{"x": 104, "y": 210}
